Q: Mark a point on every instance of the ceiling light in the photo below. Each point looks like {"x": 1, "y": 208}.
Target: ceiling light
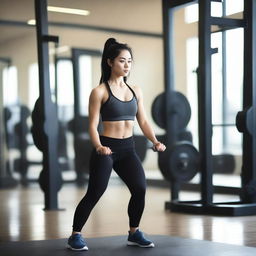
{"x": 67, "y": 10}
{"x": 31, "y": 22}
{"x": 59, "y": 50}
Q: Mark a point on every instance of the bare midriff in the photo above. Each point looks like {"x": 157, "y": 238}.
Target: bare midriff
{"x": 118, "y": 129}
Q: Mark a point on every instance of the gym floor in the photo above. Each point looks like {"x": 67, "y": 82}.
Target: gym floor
{"x": 23, "y": 217}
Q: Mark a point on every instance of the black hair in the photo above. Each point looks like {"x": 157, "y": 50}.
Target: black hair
{"x": 111, "y": 50}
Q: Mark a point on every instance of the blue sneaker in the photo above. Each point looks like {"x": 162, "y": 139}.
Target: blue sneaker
{"x": 137, "y": 238}
{"x": 77, "y": 243}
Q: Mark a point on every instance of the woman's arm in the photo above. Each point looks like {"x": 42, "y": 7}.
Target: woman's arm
{"x": 94, "y": 115}
{"x": 144, "y": 124}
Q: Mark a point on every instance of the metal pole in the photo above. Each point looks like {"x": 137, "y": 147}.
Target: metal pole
{"x": 224, "y": 80}
{"x": 169, "y": 82}
{"x": 51, "y": 168}
{"x": 249, "y": 88}
{"x": 205, "y": 101}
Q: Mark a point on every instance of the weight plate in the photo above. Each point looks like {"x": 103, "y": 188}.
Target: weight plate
{"x": 184, "y": 162}
{"x": 181, "y": 163}
{"x": 44, "y": 181}
{"x": 7, "y": 114}
{"x": 179, "y": 106}
{"x": 244, "y": 122}
{"x": 224, "y": 163}
{"x": 248, "y": 192}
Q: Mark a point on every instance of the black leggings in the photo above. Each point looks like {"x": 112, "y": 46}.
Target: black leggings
{"x": 127, "y": 165}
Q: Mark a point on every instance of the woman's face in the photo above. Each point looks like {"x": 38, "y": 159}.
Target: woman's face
{"x": 121, "y": 65}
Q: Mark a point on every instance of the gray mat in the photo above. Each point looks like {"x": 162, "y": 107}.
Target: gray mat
{"x": 116, "y": 246}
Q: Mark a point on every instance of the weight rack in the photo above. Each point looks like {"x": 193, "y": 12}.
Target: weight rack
{"x": 206, "y": 205}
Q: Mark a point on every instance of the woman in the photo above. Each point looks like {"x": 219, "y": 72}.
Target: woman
{"x": 118, "y": 104}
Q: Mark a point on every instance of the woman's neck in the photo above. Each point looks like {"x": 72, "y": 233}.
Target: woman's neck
{"x": 116, "y": 81}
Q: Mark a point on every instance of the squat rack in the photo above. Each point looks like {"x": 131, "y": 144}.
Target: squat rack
{"x": 206, "y": 205}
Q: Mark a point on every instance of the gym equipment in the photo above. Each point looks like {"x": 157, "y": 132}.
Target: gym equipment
{"x": 244, "y": 120}
{"x": 107, "y": 246}
{"x": 39, "y": 136}
{"x": 6, "y": 178}
{"x": 49, "y": 111}
{"x": 44, "y": 182}
{"x": 223, "y": 163}
{"x": 247, "y": 206}
{"x": 179, "y": 106}
{"x": 7, "y": 114}
{"x": 248, "y": 192}
{"x": 22, "y": 163}
{"x": 180, "y": 163}
{"x": 7, "y": 117}
{"x": 183, "y": 135}
{"x": 37, "y": 131}
{"x": 21, "y": 131}
{"x": 80, "y": 124}
{"x": 82, "y": 147}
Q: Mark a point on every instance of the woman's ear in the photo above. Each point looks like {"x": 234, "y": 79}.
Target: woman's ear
{"x": 109, "y": 62}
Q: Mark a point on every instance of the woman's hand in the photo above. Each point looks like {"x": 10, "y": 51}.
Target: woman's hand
{"x": 102, "y": 150}
{"x": 158, "y": 146}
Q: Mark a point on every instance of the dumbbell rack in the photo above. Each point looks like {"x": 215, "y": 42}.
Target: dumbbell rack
{"x": 206, "y": 205}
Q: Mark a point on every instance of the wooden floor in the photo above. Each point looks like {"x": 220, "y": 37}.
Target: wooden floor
{"x": 22, "y": 216}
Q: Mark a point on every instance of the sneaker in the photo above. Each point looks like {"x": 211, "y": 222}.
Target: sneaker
{"x": 137, "y": 238}
{"x": 77, "y": 243}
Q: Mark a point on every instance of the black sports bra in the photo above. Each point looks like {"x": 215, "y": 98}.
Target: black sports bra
{"x": 116, "y": 110}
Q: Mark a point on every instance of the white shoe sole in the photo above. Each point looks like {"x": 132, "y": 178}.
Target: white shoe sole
{"x": 85, "y": 248}
{"x": 143, "y": 246}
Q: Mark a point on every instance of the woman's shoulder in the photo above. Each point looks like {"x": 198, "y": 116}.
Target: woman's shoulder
{"x": 136, "y": 89}
{"x": 99, "y": 89}
{"x": 98, "y": 93}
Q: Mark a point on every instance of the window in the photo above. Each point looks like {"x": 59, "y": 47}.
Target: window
{"x": 34, "y": 83}
{"x": 65, "y": 90}
{"x": 226, "y": 100}
{"x": 192, "y": 65}
{"x": 234, "y": 87}
{"x": 234, "y": 6}
{"x": 85, "y": 72}
{"x": 10, "y": 85}
{"x": 33, "y": 80}
{"x": 192, "y": 11}
{"x": 217, "y": 95}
